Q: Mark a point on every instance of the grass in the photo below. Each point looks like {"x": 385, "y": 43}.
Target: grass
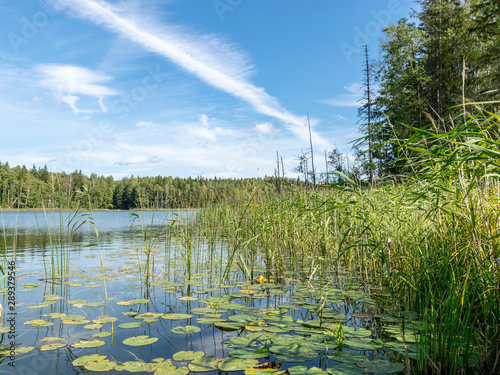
{"x": 434, "y": 239}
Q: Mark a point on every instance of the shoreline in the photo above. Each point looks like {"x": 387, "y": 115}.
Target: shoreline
{"x": 93, "y": 210}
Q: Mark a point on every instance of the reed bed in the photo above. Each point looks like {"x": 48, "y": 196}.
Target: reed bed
{"x": 433, "y": 239}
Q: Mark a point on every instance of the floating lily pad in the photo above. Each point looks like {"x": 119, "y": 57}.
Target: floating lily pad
{"x": 249, "y": 352}
{"x": 52, "y": 339}
{"x": 130, "y": 325}
{"x": 75, "y": 322}
{"x": 298, "y": 370}
{"x": 140, "y": 340}
{"x": 88, "y": 344}
{"x": 55, "y": 315}
{"x": 187, "y": 355}
{"x": 18, "y": 350}
{"x": 139, "y": 300}
{"x": 292, "y": 353}
{"x": 381, "y": 366}
{"x": 187, "y": 298}
{"x": 105, "y": 319}
{"x": 4, "y": 329}
{"x": 137, "y": 366}
{"x": 237, "y": 364}
{"x": 187, "y": 330}
{"x": 364, "y": 344}
{"x": 209, "y": 320}
{"x": 75, "y": 317}
{"x": 88, "y": 358}
{"x": 176, "y": 316}
{"x": 100, "y": 366}
{"x": 345, "y": 369}
{"x": 124, "y": 303}
{"x": 54, "y": 346}
{"x": 93, "y": 326}
{"x": 204, "y": 364}
{"x": 93, "y": 304}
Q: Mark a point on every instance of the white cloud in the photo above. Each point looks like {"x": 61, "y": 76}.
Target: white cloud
{"x": 69, "y": 81}
{"x": 264, "y": 128}
{"x": 206, "y": 57}
{"x": 137, "y": 160}
{"x": 145, "y": 124}
{"x": 204, "y": 120}
{"x": 350, "y": 99}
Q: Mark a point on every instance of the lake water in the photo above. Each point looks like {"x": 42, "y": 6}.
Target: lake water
{"x": 296, "y": 321}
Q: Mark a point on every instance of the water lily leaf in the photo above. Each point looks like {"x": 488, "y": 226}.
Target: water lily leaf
{"x": 88, "y": 358}
{"x": 139, "y": 300}
{"x": 93, "y": 326}
{"x": 4, "y": 329}
{"x": 229, "y": 326}
{"x": 399, "y": 347}
{"x": 75, "y": 322}
{"x": 249, "y": 352}
{"x": 137, "y": 366}
{"x": 38, "y": 323}
{"x": 381, "y": 366}
{"x": 140, "y": 340}
{"x": 356, "y": 333}
{"x": 187, "y": 298}
{"x": 187, "y": 330}
{"x": 55, "y": 315}
{"x": 364, "y": 344}
{"x": 52, "y": 339}
{"x": 243, "y": 318}
{"x": 316, "y": 371}
{"x": 53, "y": 346}
{"x": 124, "y": 303}
{"x": 298, "y": 370}
{"x": 105, "y": 319}
{"x": 130, "y": 325}
{"x": 263, "y": 337}
{"x": 100, "y": 366}
{"x": 102, "y": 334}
{"x": 93, "y": 285}
{"x": 204, "y": 364}
{"x": 239, "y": 342}
{"x": 176, "y": 316}
{"x": 93, "y": 304}
{"x": 175, "y": 371}
{"x": 209, "y": 320}
{"x": 348, "y": 357}
{"x": 88, "y": 344}
{"x": 292, "y": 353}
{"x": 18, "y": 350}
{"x": 187, "y": 355}
{"x": 344, "y": 369}
{"x": 237, "y": 364}
{"x": 52, "y": 298}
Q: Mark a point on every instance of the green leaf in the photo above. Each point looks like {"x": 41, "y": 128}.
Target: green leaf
{"x": 344, "y": 369}
{"x": 237, "y": 364}
{"x": 176, "y": 316}
{"x": 88, "y": 344}
{"x": 140, "y": 340}
{"x": 187, "y": 355}
{"x": 249, "y": 352}
{"x": 204, "y": 364}
{"x": 187, "y": 330}
{"x": 130, "y": 325}
{"x": 102, "y": 334}
{"x": 381, "y": 366}
{"x": 100, "y": 366}
{"x": 349, "y": 357}
{"x": 54, "y": 346}
{"x": 88, "y": 358}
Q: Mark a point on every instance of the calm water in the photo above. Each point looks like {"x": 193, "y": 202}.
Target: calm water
{"x": 36, "y": 239}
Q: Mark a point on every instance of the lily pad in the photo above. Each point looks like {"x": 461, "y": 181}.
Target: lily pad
{"x": 187, "y": 330}
{"x": 88, "y": 344}
{"x": 4, "y": 329}
{"x": 249, "y": 352}
{"x": 344, "y": 369}
{"x": 88, "y": 358}
{"x": 381, "y": 366}
{"x": 292, "y": 353}
{"x": 176, "y": 316}
{"x": 105, "y": 319}
{"x": 93, "y": 304}
{"x": 204, "y": 364}
{"x": 100, "y": 366}
{"x": 187, "y": 355}
{"x": 237, "y": 364}
{"x": 137, "y": 366}
{"x": 139, "y": 300}
{"x": 18, "y": 350}
{"x": 348, "y": 357}
{"x": 130, "y": 325}
{"x": 140, "y": 340}
{"x": 364, "y": 344}
{"x": 54, "y": 346}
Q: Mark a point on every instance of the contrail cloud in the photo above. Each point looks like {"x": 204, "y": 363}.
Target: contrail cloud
{"x": 196, "y": 62}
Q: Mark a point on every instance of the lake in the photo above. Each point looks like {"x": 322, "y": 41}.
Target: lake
{"x": 182, "y": 317}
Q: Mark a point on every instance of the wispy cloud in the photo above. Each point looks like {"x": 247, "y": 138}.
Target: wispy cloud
{"x": 264, "y": 128}
{"x": 349, "y": 99}
{"x": 223, "y": 69}
{"x": 142, "y": 159}
{"x": 69, "y": 81}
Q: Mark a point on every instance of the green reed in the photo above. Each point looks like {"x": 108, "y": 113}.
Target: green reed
{"x": 434, "y": 238}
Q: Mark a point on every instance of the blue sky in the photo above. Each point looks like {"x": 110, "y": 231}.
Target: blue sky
{"x": 182, "y": 87}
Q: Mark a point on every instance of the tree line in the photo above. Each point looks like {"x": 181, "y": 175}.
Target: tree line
{"x": 433, "y": 67}
{"x": 21, "y": 187}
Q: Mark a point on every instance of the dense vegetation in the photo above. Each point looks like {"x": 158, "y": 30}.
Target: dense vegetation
{"x": 37, "y": 188}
